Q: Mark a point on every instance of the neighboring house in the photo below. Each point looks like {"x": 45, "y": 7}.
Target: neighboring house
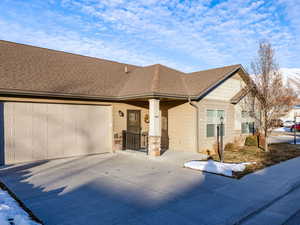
{"x": 56, "y": 104}
{"x": 290, "y": 116}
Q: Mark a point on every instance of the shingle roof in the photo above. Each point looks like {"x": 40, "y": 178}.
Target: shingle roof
{"x": 238, "y": 96}
{"x": 30, "y": 70}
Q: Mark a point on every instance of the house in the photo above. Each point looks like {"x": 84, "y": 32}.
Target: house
{"x": 56, "y": 104}
{"x": 292, "y": 114}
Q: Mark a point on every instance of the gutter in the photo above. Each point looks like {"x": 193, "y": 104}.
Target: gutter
{"x": 88, "y": 97}
{"x": 197, "y": 122}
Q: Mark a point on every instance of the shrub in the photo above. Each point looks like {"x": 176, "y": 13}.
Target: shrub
{"x": 251, "y": 140}
{"x": 230, "y": 147}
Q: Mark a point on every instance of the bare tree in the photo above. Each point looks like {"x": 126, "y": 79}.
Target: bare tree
{"x": 275, "y": 98}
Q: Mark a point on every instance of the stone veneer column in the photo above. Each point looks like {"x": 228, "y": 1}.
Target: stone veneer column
{"x": 154, "y": 139}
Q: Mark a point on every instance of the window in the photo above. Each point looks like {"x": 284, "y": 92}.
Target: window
{"x": 247, "y": 127}
{"x": 245, "y": 114}
{"x": 247, "y": 124}
{"x": 210, "y": 130}
{"x": 213, "y": 119}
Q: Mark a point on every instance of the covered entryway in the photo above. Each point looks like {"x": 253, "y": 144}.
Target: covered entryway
{"x": 37, "y": 131}
{"x": 133, "y": 138}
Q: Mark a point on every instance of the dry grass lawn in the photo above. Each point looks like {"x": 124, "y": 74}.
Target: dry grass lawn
{"x": 277, "y": 153}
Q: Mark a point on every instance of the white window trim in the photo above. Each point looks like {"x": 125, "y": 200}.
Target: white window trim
{"x": 206, "y": 123}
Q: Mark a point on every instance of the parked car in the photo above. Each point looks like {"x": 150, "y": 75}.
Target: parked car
{"x": 288, "y": 123}
{"x": 295, "y": 126}
{"x": 277, "y": 123}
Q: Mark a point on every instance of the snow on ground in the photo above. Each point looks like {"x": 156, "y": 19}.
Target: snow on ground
{"x": 11, "y": 213}
{"x": 212, "y": 166}
{"x": 282, "y": 129}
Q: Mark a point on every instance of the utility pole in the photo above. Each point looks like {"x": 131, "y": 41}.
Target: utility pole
{"x": 295, "y": 140}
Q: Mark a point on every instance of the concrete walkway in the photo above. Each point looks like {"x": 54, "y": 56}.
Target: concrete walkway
{"x": 169, "y": 156}
{"x": 122, "y": 189}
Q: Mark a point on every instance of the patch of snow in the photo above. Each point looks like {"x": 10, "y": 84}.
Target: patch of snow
{"x": 212, "y": 166}
{"x": 11, "y": 211}
{"x": 282, "y": 129}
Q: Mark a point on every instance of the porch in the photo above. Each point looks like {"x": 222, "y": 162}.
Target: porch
{"x": 140, "y": 142}
{"x": 146, "y": 127}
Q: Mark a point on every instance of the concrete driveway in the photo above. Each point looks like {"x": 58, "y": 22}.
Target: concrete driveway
{"x": 125, "y": 190}
{"x": 109, "y": 189}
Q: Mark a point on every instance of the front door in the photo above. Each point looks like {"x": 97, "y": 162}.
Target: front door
{"x": 133, "y": 137}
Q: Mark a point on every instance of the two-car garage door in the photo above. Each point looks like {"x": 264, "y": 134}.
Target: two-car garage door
{"x": 37, "y": 131}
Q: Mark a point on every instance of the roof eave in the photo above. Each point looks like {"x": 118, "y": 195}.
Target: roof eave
{"x": 90, "y": 97}
{"x": 211, "y": 88}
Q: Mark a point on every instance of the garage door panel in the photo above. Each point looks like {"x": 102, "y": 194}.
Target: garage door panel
{"x": 35, "y": 131}
{"x": 39, "y": 131}
{"x": 102, "y": 131}
{"x": 55, "y": 131}
{"x": 69, "y": 130}
{"x": 8, "y": 130}
{"x": 22, "y": 132}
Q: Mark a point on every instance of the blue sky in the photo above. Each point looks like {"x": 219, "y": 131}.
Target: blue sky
{"x": 186, "y": 35}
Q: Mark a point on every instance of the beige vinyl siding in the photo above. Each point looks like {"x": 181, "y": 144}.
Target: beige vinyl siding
{"x": 219, "y": 99}
{"x": 239, "y": 108}
{"x": 227, "y": 89}
{"x": 206, "y": 143}
{"x": 182, "y": 125}
{"x": 238, "y": 116}
{"x": 120, "y": 123}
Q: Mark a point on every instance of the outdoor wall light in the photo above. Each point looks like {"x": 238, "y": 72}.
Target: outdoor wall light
{"x": 221, "y": 119}
{"x": 146, "y": 118}
{"x": 121, "y": 114}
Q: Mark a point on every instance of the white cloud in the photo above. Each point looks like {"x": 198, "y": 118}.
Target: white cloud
{"x": 74, "y": 43}
{"x": 213, "y": 36}
{"x": 187, "y": 35}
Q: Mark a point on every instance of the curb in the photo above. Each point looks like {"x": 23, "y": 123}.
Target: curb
{"x": 22, "y": 205}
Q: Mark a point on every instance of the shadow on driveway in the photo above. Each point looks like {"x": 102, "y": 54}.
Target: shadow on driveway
{"x": 118, "y": 189}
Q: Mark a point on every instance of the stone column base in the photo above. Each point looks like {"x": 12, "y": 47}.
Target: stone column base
{"x": 154, "y": 148}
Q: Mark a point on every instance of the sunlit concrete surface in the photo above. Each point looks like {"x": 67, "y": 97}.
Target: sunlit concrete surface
{"x": 123, "y": 189}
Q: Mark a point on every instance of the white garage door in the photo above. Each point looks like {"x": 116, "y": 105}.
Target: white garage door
{"x": 36, "y": 131}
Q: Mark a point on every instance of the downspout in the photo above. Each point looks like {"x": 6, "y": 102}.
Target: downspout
{"x": 197, "y": 122}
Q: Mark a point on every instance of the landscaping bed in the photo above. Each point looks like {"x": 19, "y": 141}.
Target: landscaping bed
{"x": 278, "y": 152}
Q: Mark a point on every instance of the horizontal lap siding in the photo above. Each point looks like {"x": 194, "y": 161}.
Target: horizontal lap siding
{"x": 206, "y": 143}
{"x": 120, "y": 123}
{"x": 182, "y": 125}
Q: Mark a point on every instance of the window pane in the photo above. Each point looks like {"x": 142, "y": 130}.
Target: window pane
{"x": 251, "y": 127}
{"x": 210, "y": 130}
{"x": 245, "y": 128}
{"x": 220, "y": 113}
{"x": 211, "y": 115}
